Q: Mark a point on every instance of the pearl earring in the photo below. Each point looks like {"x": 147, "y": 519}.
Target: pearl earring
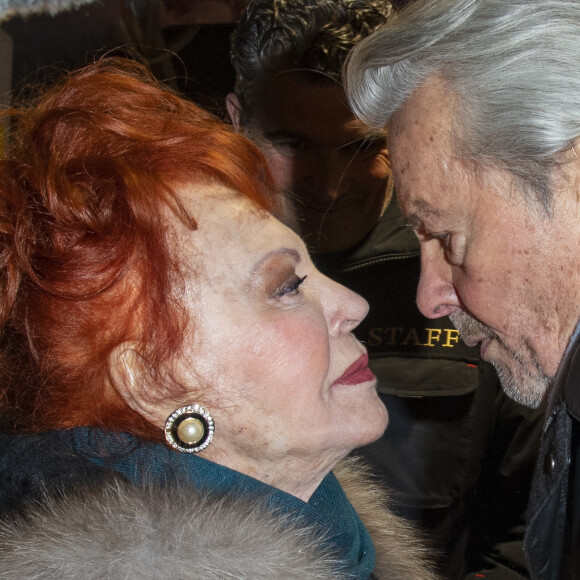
{"x": 189, "y": 429}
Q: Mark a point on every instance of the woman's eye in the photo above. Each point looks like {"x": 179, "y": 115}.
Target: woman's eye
{"x": 289, "y": 287}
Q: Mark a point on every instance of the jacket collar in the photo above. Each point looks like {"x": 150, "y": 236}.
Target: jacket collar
{"x": 390, "y": 237}
{"x": 567, "y": 383}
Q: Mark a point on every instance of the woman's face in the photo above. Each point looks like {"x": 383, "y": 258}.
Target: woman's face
{"x": 270, "y": 346}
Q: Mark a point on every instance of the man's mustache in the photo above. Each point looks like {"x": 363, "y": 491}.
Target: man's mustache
{"x": 470, "y": 328}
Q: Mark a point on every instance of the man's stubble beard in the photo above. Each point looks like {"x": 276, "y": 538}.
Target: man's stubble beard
{"x": 525, "y": 380}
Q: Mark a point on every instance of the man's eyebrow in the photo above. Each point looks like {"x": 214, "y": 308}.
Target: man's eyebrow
{"x": 284, "y": 134}
{"x": 419, "y": 211}
{"x": 365, "y": 140}
{"x": 421, "y": 208}
{"x": 374, "y": 135}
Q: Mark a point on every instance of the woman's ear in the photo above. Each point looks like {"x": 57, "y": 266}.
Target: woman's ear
{"x": 132, "y": 378}
{"x": 235, "y": 110}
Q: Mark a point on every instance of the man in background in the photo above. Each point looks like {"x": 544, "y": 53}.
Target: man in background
{"x": 457, "y": 453}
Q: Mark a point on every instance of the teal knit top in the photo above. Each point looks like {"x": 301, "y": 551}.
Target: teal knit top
{"x": 144, "y": 462}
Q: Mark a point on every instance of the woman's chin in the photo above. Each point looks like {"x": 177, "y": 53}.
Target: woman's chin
{"x": 370, "y": 426}
{"x": 379, "y": 428}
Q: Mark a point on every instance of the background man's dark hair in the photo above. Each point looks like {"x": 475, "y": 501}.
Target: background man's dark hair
{"x": 311, "y": 36}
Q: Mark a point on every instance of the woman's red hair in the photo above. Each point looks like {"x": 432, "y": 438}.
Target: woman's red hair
{"x": 84, "y": 259}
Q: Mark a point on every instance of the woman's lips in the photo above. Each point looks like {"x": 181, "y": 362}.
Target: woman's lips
{"x": 358, "y": 372}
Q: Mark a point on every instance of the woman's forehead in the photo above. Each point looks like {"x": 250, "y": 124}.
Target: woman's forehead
{"x": 217, "y": 203}
{"x": 228, "y": 223}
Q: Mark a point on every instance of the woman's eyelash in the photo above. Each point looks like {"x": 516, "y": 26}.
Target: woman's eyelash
{"x": 291, "y": 287}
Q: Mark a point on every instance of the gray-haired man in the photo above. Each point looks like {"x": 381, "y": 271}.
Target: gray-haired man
{"x": 483, "y": 98}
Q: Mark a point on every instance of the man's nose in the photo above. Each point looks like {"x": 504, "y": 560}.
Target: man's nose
{"x": 332, "y": 176}
{"x": 436, "y": 294}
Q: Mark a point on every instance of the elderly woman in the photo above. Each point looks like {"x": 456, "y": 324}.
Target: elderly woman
{"x": 178, "y": 381}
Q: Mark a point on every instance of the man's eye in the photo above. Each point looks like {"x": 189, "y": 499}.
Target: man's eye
{"x": 444, "y": 238}
{"x": 450, "y": 248}
{"x": 290, "y": 148}
{"x": 290, "y": 287}
{"x": 426, "y": 236}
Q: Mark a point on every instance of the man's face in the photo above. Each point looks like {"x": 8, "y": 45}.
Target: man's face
{"x": 334, "y": 171}
{"x": 504, "y": 271}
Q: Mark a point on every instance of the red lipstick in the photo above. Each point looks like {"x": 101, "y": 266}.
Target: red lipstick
{"x": 358, "y": 372}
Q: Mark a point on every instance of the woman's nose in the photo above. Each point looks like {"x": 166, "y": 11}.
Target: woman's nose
{"x": 345, "y": 309}
{"x": 436, "y": 294}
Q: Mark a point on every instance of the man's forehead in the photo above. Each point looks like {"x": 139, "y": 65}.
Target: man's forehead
{"x": 423, "y": 152}
{"x": 423, "y": 125}
{"x": 285, "y": 104}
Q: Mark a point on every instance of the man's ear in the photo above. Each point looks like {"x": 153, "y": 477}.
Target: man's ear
{"x": 235, "y": 110}
{"x": 132, "y": 378}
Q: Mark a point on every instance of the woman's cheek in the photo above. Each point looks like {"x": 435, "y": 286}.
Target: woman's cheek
{"x": 296, "y": 342}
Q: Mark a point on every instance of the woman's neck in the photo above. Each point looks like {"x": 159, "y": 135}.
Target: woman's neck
{"x": 296, "y": 476}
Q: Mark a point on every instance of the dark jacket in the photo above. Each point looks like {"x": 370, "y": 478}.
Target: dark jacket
{"x": 457, "y": 453}
{"x": 552, "y": 542}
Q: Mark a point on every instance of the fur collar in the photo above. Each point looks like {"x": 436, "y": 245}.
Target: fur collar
{"x": 123, "y": 531}
{"x": 400, "y": 552}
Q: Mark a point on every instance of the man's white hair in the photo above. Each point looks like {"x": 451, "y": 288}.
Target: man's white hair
{"x": 9, "y": 8}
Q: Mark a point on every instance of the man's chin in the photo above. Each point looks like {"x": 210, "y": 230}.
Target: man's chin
{"x": 522, "y": 387}
{"x": 521, "y": 374}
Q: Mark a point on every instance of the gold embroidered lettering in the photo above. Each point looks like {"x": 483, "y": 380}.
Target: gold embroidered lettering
{"x": 393, "y": 335}
{"x": 433, "y": 335}
{"x": 452, "y": 337}
{"x": 374, "y": 337}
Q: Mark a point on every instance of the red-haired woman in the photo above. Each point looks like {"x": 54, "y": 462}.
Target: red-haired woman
{"x": 178, "y": 381}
